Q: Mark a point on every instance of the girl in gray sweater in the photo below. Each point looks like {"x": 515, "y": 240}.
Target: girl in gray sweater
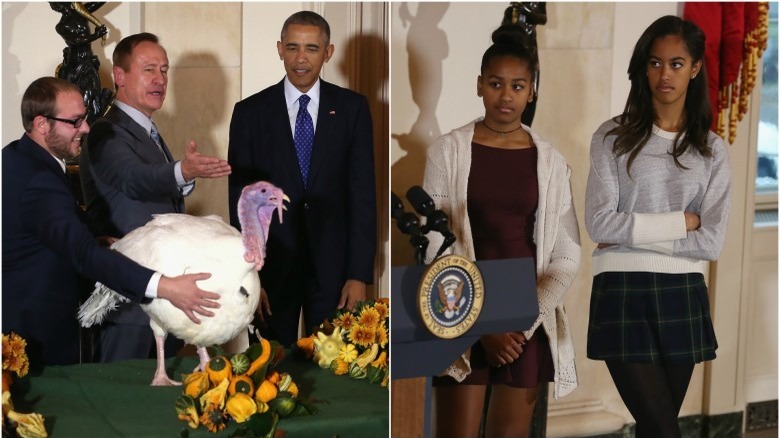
{"x": 657, "y": 204}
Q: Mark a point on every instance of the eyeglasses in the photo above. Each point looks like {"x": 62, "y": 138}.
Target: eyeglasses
{"x": 77, "y": 122}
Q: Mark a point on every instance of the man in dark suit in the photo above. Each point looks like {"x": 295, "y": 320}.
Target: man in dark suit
{"x": 128, "y": 174}
{"x": 47, "y": 245}
{"x": 319, "y": 150}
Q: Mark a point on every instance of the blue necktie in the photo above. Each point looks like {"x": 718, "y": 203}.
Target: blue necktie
{"x": 157, "y": 139}
{"x": 304, "y": 136}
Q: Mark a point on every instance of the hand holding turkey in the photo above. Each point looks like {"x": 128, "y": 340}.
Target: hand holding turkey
{"x": 184, "y": 293}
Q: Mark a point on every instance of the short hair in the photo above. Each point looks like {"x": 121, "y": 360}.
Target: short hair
{"x": 308, "y": 18}
{"x": 124, "y": 50}
{"x": 40, "y": 98}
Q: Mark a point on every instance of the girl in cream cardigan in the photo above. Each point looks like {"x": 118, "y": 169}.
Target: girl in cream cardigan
{"x": 508, "y": 195}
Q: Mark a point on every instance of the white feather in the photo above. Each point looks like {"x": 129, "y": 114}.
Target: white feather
{"x": 176, "y": 244}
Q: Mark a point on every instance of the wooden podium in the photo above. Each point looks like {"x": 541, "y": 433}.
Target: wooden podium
{"x": 510, "y": 304}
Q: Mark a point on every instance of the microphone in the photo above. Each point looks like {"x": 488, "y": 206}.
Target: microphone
{"x": 436, "y": 219}
{"x": 420, "y": 200}
{"x": 408, "y": 223}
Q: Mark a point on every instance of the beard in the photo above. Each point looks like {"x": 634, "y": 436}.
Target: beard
{"x": 60, "y": 146}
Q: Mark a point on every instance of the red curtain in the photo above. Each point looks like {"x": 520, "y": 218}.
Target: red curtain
{"x": 736, "y": 38}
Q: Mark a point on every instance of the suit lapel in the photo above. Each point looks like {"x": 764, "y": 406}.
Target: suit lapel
{"x": 33, "y": 149}
{"x": 326, "y": 115}
{"x": 144, "y": 146}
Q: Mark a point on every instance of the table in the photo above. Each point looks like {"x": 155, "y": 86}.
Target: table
{"x": 115, "y": 401}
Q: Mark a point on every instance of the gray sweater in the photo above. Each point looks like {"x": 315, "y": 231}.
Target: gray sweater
{"x": 642, "y": 215}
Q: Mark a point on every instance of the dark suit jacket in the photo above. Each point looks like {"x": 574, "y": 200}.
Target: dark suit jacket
{"x": 47, "y": 247}
{"x": 334, "y": 218}
{"x": 124, "y": 176}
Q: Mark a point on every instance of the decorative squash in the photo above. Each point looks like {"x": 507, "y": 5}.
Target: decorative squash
{"x": 261, "y": 360}
{"x": 286, "y": 384}
{"x": 284, "y": 405}
{"x": 28, "y": 425}
{"x": 241, "y": 384}
{"x": 240, "y": 363}
{"x": 367, "y": 356}
{"x": 328, "y": 347}
{"x": 266, "y": 392}
{"x": 381, "y": 361}
{"x": 241, "y": 406}
{"x": 215, "y": 396}
{"x": 219, "y": 369}
{"x": 262, "y": 407}
{"x": 187, "y": 411}
{"x": 195, "y": 384}
{"x": 274, "y": 377}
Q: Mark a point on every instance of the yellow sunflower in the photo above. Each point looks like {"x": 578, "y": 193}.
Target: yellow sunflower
{"x": 369, "y": 317}
{"x": 345, "y": 320}
{"x": 361, "y": 335}
{"x": 381, "y": 336}
{"x": 382, "y": 309}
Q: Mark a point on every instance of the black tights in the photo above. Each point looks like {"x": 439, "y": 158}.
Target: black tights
{"x": 653, "y": 394}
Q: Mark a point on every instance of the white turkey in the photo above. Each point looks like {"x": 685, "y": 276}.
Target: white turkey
{"x": 175, "y": 244}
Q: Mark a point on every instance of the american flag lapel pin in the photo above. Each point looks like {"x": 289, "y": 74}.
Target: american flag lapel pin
{"x": 332, "y": 112}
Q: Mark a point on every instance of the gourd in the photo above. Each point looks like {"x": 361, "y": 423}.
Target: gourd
{"x": 187, "y": 410}
{"x": 219, "y": 369}
{"x": 266, "y": 392}
{"x": 241, "y": 406}
{"x": 261, "y": 360}
{"x": 241, "y": 384}
{"x": 196, "y": 384}
{"x": 240, "y": 363}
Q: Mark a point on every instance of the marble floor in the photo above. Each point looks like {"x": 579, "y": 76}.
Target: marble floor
{"x": 764, "y": 433}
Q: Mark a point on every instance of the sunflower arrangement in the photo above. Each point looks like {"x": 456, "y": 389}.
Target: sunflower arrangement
{"x": 15, "y": 361}
{"x": 14, "y": 355}
{"x": 353, "y": 342}
{"x": 242, "y": 387}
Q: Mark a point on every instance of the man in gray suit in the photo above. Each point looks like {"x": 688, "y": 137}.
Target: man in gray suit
{"x": 128, "y": 174}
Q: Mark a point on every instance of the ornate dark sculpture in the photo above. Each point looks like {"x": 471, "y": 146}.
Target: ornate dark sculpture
{"x": 528, "y": 15}
{"x": 79, "y": 65}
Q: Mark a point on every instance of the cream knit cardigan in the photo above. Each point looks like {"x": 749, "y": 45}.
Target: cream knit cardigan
{"x": 556, "y": 234}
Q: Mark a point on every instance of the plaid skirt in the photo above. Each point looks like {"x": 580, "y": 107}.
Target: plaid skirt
{"x": 649, "y": 317}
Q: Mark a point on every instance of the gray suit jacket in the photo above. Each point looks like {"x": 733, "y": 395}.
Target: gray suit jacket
{"x": 126, "y": 180}
{"x": 124, "y": 176}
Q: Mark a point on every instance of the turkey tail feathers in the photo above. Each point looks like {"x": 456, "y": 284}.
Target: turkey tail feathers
{"x": 97, "y": 306}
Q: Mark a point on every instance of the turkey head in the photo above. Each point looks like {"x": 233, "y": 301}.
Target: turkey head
{"x": 256, "y": 207}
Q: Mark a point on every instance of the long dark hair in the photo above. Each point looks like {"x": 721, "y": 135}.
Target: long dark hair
{"x": 636, "y": 123}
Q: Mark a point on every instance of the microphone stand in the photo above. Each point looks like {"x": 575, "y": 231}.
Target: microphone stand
{"x": 408, "y": 223}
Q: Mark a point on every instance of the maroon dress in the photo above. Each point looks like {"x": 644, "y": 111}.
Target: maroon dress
{"x": 502, "y": 198}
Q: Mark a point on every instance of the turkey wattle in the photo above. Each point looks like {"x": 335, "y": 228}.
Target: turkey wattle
{"x": 176, "y": 244}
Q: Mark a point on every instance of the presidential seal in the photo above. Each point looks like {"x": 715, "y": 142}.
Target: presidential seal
{"x": 450, "y": 296}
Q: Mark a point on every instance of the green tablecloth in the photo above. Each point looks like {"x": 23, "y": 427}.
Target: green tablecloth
{"x": 115, "y": 400}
